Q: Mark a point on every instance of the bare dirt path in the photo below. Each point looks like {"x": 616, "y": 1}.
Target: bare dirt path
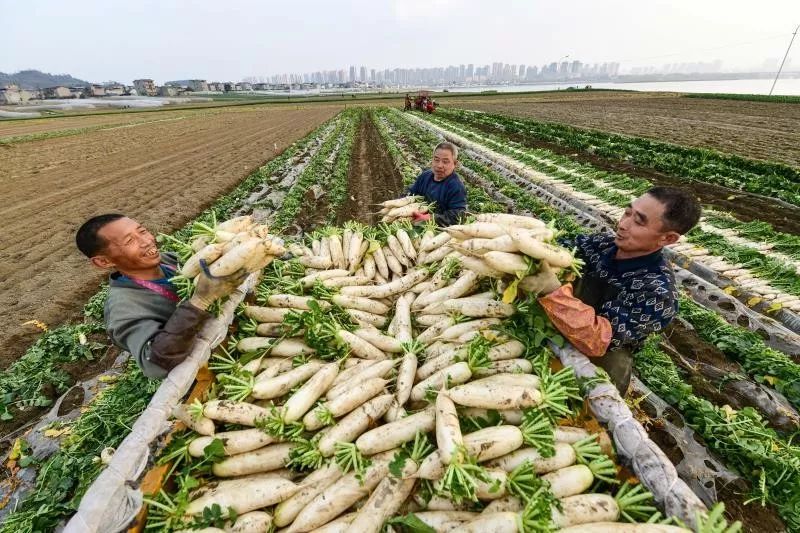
{"x": 373, "y": 177}
{"x": 162, "y": 173}
{"x": 760, "y": 130}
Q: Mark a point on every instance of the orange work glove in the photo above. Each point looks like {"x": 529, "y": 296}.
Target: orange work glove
{"x": 589, "y": 333}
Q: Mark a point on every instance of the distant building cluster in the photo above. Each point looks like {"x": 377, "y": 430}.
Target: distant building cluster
{"x": 496, "y": 73}
{"x": 13, "y": 94}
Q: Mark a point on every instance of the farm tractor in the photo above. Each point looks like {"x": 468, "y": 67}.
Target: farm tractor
{"x": 421, "y": 102}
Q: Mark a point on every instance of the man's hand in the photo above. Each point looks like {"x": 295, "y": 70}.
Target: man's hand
{"x": 589, "y": 332}
{"x": 542, "y": 283}
{"x": 420, "y": 217}
{"x": 210, "y": 288}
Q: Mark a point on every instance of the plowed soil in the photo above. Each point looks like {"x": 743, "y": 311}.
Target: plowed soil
{"x": 760, "y": 130}
{"x": 163, "y": 173}
{"x": 373, "y": 177}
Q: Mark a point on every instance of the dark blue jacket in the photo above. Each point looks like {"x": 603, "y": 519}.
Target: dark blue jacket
{"x": 449, "y": 194}
{"x": 640, "y": 298}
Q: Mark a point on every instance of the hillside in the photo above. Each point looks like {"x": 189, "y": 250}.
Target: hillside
{"x": 33, "y": 79}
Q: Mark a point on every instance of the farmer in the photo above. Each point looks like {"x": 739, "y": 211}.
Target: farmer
{"x": 143, "y": 314}
{"x": 627, "y": 290}
{"x": 442, "y": 186}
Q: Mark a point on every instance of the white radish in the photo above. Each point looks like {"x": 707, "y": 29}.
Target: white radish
{"x": 209, "y": 254}
{"x": 511, "y": 220}
{"x": 360, "y": 303}
{"x": 479, "y": 307}
{"x": 432, "y": 332}
{"x": 584, "y": 509}
{"x": 563, "y": 457}
{"x": 341, "y": 495}
{"x": 396, "y": 433}
{"x": 315, "y": 261}
{"x": 508, "y": 263}
{"x": 349, "y": 400}
{"x": 380, "y": 262}
{"x": 406, "y": 244}
{"x": 553, "y": 255}
{"x": 283, "y": 348}
{"x": 359, "y": 347}
{"x": 266, "y": 459}
{"x": 354, "y": 424}
{"x": 479, "y": 266}
{"x": 454, "y": 374}
{"x": 244, "y": 494}
{"x": 364, "y": 317}
{"x": 301, "y": 401}
{"x": 484, "y": 445}
{"x": 435, "y": 255}
{"x": 294, "y": 302}
{"x": 196, "y": 422}
{"x": 506, "y": 366}
{"x": 569, "y": 434}
{"x": 448, "y": 432}
{"x": 438, "y": 362}
{"x": 438, "y": 519}
{"x": 398, "y": 286}
{"x": 233, "y": 442}
{"x": 492, "y": 523}
{"x": 379, "y": 340}
{"x": 493, "y": 395}
{"x": 279, "y": 385}
{"x": 317, "y": 481}
{"x": 480, "y": 230}
{"x": 266, "y": 314}
{"x": 270, "y": 329}
{"x": 382, "y": 504}
{"x": 569, "y": 481}
{"x": 616, "y": 527}
{"x": 370, "y": 268}
{"x": 231, "y": 412}
{"x": 454, "y": 332}
{"x": 235, "y": 259}
{"x": 377, "y": 369}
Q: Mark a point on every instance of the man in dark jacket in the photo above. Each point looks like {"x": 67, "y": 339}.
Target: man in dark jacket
{"x": 143, "y": 313}
{"x": 627, "y": 290}
{"x": 441, "y": 185}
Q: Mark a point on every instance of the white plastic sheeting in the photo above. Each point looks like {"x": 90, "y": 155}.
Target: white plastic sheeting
{"x": 651, "y": 465}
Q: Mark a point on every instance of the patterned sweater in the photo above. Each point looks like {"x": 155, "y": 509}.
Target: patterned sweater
{"x": 641, "y": 297}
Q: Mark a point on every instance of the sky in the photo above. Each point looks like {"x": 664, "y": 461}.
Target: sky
{"x": 101, "y": 40}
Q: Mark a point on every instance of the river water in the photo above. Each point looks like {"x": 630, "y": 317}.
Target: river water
{"x": 789, "y": 86}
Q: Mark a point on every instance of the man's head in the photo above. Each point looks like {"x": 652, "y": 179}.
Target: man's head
{"x": 656, "y": 219}
{"x": 117, "y": 242}
{"x": 445, "y": 158}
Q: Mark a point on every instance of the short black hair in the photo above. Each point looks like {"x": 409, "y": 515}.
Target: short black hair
{"x": 681, "y": 208}
{"x": 87, "y": 239}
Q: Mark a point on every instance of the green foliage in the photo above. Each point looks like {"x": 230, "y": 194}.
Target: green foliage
{"x": 64, "y": 477}
{"x": 740, "y": 438}
{"x": 38, "y": 375}
{"x": 775, "y": 98}
{"x": 766, "y": 365}
{"x": 694, "y": 164}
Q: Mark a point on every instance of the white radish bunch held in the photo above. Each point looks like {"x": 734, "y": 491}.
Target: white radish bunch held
{"x": 379, "y": 379}
{"x": 403, "y": 208}
{"x": 225, "y": 248}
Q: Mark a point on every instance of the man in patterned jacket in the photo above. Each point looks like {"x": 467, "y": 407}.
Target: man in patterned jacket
{"x": 627, "y": 289}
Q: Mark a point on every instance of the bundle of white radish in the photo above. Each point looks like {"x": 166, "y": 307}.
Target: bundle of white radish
{"x": 386, "y": 387}
{"x": 402, "y": 208}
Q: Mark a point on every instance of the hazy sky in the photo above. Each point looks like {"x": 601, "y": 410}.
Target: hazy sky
{"x": 101, "y": 40}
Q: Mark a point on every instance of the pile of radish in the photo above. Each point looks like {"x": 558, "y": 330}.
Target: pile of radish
{"x": 238, "y": 244}
{"x": 379, "y": 383}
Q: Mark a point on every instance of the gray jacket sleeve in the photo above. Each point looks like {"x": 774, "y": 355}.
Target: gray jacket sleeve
{"x": 158, "y": 344}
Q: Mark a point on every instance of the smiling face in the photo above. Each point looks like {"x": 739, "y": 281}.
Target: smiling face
{"x": 641, "y": 229}
{"x": 129, "y": 247}
{"x": 443, "y": 163}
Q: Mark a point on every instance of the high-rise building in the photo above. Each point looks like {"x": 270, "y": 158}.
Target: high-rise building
{"x": 521, "y": 72}
{"x": 363, "y": 76}
{"x": 352, "y": 73}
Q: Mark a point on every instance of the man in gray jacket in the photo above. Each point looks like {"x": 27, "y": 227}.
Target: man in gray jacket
{"x": 143, "y": 313}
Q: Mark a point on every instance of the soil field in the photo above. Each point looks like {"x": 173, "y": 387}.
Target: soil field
{"x": 373, "y": 177}
{"x": 26, "y": 127}
{"x": 163, "y": 173}
{"x": 760, "y": 130}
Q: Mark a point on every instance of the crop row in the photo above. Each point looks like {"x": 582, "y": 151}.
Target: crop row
{"x": 697, "y": 164}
